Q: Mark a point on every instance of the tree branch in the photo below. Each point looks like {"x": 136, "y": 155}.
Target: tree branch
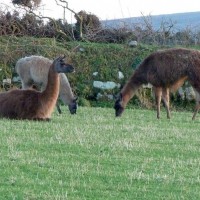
{"x": 76, "y": 15}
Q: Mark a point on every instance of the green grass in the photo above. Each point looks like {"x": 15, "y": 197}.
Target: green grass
{"x": 93, "y": 155}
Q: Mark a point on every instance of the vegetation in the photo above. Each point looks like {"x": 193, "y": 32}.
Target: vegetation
{"x": 27, "y": 3}
{"x": 106, "y": 59}
{"x": 87, "y": 58}
{"x": 24, "y": 21}
{"x": 93, "y": 155}
{"x": 91, "y": 46}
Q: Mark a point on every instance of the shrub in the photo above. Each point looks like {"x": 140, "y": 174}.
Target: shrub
{"x": 87, "y": 58}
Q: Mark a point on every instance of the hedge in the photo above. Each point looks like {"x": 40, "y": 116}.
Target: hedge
{"x": 87, "y": 58}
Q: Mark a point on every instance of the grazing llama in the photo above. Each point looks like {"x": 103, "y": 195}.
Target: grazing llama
{"x": 31, "y": 104}
{"x": 166, "y": 70}
{"x": 34, "y": 70}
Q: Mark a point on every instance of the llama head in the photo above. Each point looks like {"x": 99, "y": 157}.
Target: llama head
{"x": 119, "y": 109}
{"x": 61, "y": 67}
{"x": 73, "y": 106}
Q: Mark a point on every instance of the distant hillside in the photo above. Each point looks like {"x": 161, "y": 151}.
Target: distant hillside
{"x": 180, "y": 21}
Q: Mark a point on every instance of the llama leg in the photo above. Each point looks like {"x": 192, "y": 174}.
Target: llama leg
{"x": 196, "y": 111}
{"x": 195, "y": 82}
{"x": 158, "y": 94}
{"x": 165, "y": 97}
{"x": 58, "y": 108}
{"x": 197, "y": 105}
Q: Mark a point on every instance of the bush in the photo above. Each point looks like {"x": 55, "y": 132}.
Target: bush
{"x": 87, "y": 58}
{"x": 106, "y": 59}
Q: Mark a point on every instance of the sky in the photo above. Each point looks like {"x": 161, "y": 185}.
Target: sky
{"x": 115, "y": 9}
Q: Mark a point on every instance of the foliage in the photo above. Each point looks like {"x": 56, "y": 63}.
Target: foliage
{"x": 110, "y": 35}
{"x": 88, "y": 27}
{"x": 27, "y": 3}
{"x": 29, "y": 24}
{"x": 93, "y": 155}
{"x": 106, "y": 59}
{"x": 13, "y": 48}
{"x": 88, "y": 22}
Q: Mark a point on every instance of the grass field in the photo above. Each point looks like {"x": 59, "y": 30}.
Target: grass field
{"x": 93, "y": 155}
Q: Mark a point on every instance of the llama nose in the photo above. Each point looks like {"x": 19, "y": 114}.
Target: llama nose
{"x": 70, "y": 68}
{"x": 118, "y": 111}
{"x": 72, "y": 109}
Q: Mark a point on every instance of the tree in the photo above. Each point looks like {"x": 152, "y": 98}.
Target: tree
{"x": 87, "y": 22}
{"x": 78, "y": 18}
{"x": 31, "y": 4}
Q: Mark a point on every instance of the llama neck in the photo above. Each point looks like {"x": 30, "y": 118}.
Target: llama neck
{"x": 131, "y": 87}
{"x": 66, "y": 93}
{"x": 128, "y": 92}
{"x": 52, "y": 89}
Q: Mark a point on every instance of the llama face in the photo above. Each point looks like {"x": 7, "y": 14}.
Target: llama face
{"x": 119, "y": 109}
{"x": 62, "y": 67}
{"x": 73, "y": 106}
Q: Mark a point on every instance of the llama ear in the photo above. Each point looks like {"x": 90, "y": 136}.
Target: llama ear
{"x": 60, "y": 57}
{"x": 64, "y": 56}
{"x": 57, "y": 59}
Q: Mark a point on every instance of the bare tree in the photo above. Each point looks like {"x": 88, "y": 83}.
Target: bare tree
{"x": 78, "y": 17}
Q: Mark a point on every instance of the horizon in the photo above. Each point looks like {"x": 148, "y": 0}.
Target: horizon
{"x": 155, "y": 15}
{"x": 180, "y": 21}
{"x": 120, "y": 10}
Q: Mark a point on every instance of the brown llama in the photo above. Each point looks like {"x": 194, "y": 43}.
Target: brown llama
{"x": 31, "y": 104}
{"x": 166, "y": 70}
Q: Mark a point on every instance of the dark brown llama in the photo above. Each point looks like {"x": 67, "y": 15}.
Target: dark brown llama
{"x": 31, "y": 104}
{"x": 166, "y": 70}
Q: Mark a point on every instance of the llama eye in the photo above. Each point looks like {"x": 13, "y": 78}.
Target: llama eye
{"x": 62, "y": 62}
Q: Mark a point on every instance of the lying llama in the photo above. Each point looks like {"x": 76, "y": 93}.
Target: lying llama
{"x": 31, "y": 104}
{"x": 34, "y": 70}
{"x": 164, "y": 69}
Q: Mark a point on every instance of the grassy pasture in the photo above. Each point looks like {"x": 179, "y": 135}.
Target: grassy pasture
{"x": 93, "y": 155}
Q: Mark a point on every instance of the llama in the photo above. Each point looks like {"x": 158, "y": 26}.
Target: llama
{"x": 34, "y": 70}
{"x": 166, "y": 70}
{"x": 31, "y": 104}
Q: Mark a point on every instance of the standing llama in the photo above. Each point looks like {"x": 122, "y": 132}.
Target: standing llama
{"x": 34, "y": 70}
{"x": 31, "y": 104}
{"x": 166, "y": 70}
